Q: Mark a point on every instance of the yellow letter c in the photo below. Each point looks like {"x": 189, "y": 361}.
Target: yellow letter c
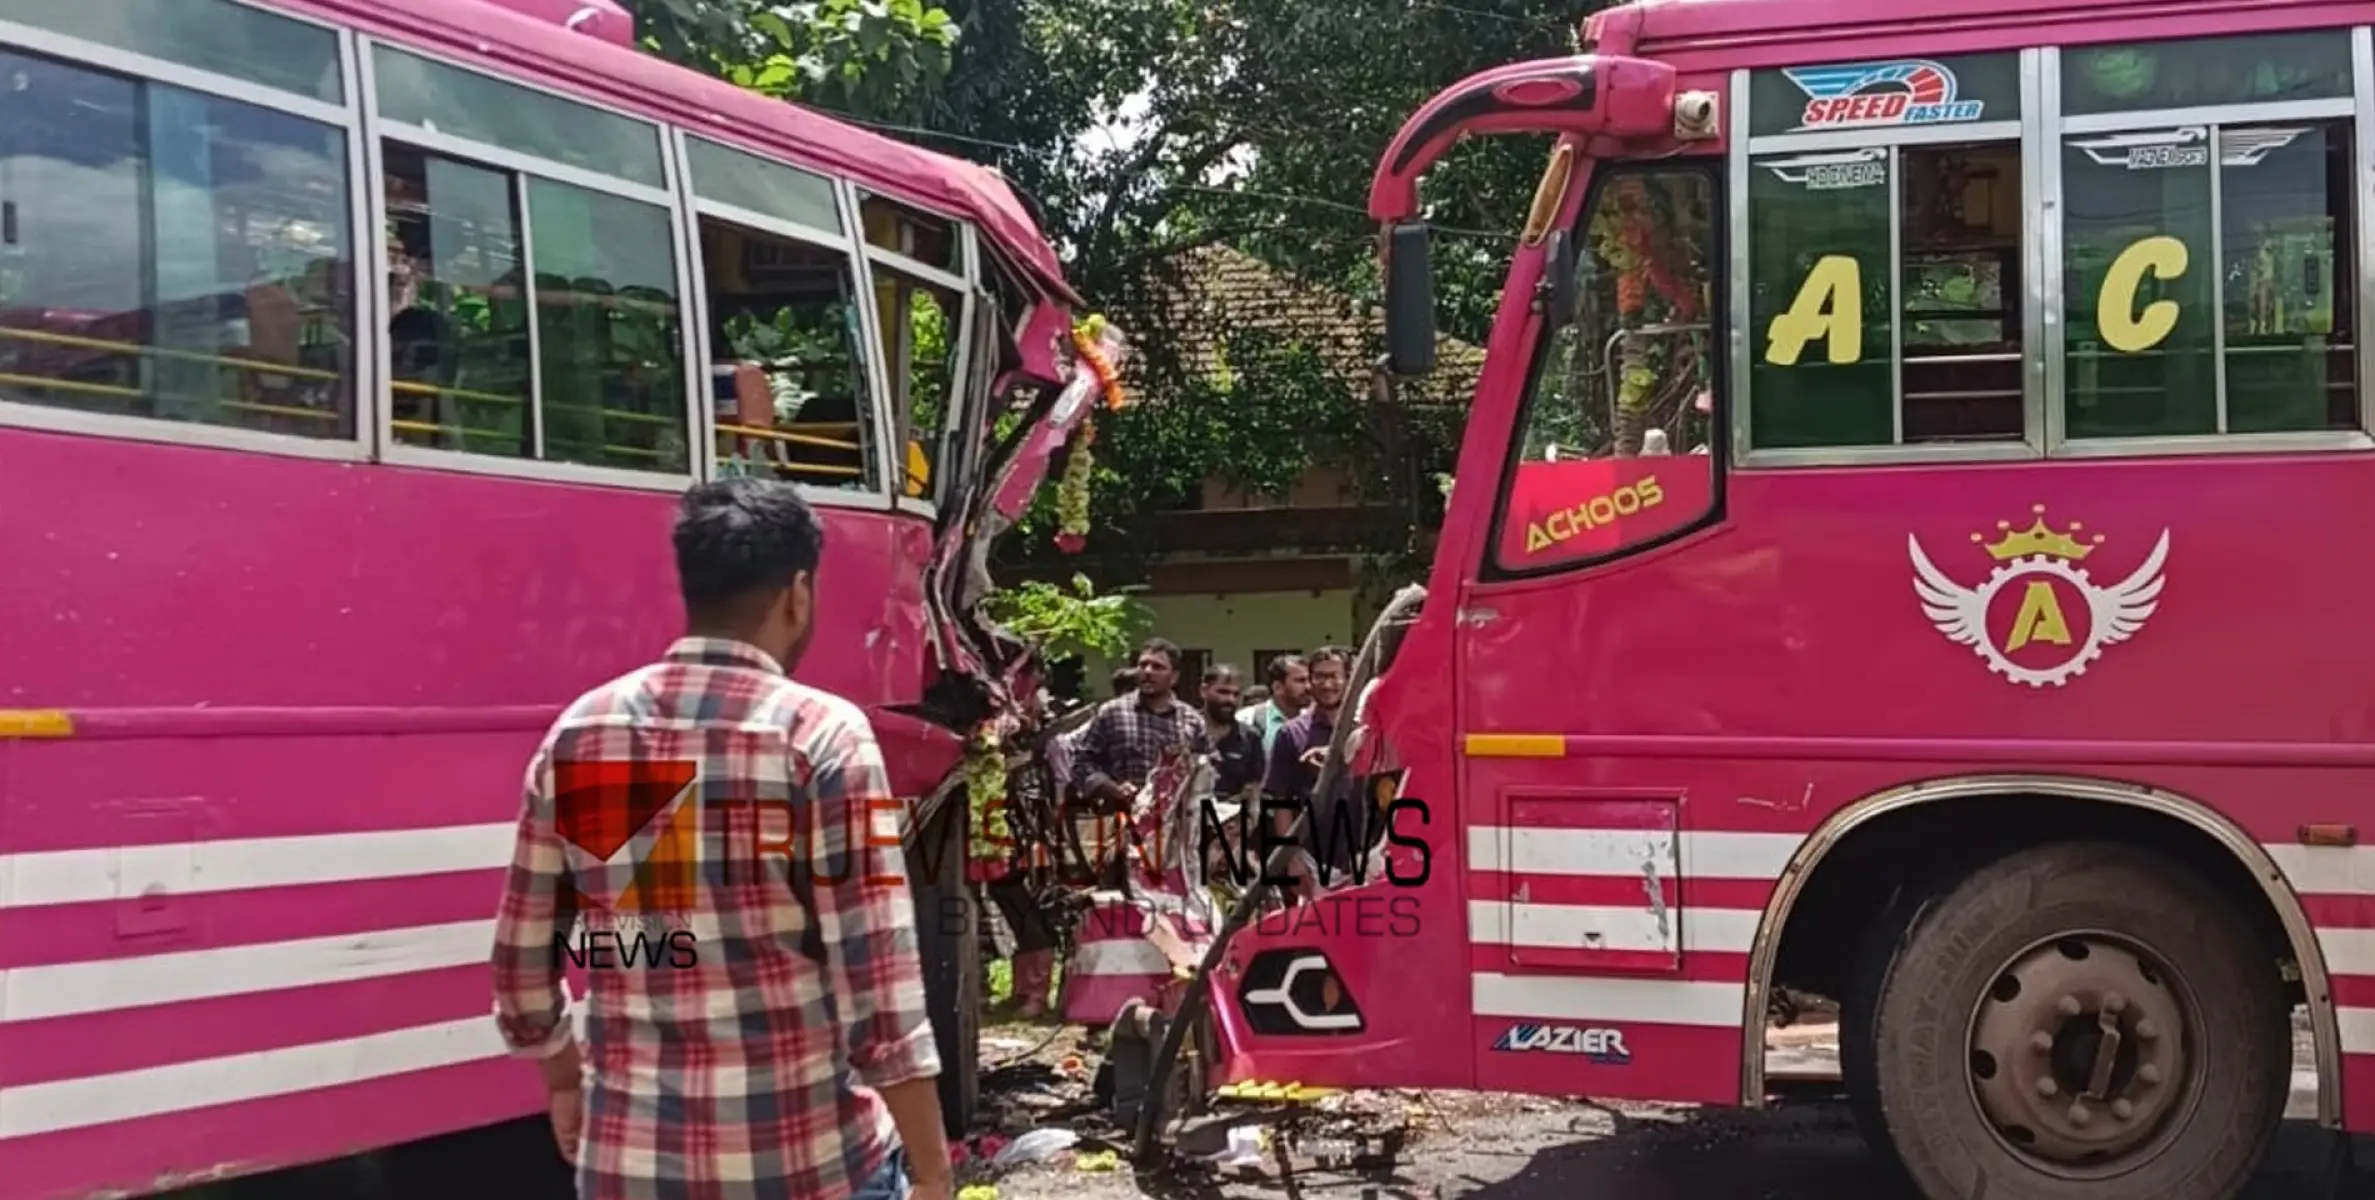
{"x": 2124, "y": 328}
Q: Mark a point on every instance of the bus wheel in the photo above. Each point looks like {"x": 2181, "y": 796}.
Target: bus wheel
{"x": 2081, "y": 1022}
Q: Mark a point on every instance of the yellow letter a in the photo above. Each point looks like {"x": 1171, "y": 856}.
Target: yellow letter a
{"x": 2039, "y": 618}
{"x": 1830, "y": 302}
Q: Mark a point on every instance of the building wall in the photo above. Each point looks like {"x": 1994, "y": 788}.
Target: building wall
{"x": 1234, "y": 627}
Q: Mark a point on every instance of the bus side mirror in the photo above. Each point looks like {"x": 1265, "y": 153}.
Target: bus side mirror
{"x": 1558, "y": 287}
{"x": 1409, "y": 301}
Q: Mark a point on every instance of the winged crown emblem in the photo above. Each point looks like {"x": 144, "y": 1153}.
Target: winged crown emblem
{"x": 2037, "y": 645}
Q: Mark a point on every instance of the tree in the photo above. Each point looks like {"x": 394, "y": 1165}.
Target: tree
{"x": 877, "y": 59}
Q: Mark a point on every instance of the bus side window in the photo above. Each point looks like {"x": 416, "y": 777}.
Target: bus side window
{"x": 483, "y": 253}
{"x": 919, "y": 347}
{"x": 1853, "y": 345}
{"x": 786, "y": 360}
{"x": 1613, "y": 446}
{"x": 173, "y": 255}
{"x": 609, "y": 356}
{"x": 2208, "y": 268}
{"x": 918, "y": 268}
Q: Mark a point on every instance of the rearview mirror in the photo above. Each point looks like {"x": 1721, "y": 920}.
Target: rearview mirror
{"x": 1557, "y": 290}
{"x": 1409, "y": 301}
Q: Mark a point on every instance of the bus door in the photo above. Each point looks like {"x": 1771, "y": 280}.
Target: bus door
{"x": 1582, "y": 949}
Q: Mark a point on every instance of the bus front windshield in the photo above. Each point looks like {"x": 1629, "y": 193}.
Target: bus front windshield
{"x": 1614, "y": 443}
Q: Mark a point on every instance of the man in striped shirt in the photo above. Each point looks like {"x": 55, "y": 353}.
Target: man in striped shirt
{"x": 736, "y": 827}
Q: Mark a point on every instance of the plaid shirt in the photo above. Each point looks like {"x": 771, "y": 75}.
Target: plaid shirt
{"x": 1127, "y": 737}
{"x": 750, "y": 1071}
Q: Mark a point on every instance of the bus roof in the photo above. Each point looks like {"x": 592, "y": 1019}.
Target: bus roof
{"x": 1762, "y": 32}
{"x": 500, "y": 38}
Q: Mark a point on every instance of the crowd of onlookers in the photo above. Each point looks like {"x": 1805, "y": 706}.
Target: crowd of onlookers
{"x": 1269, "y": 741}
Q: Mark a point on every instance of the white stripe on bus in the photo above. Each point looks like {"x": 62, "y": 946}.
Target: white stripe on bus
{"x": 188, "y": 868}
{"x": 180, "y": 1087}
{"x": 1596, "y": 927}
{"x": 1586, "y": 998}
{"x": 2327, "y": 870}
{"x": 2348, "y": 951}
{"x": 2358, "y": 1030}
{"x": 104, "y": 985}
{"x": 1623, "y": 852}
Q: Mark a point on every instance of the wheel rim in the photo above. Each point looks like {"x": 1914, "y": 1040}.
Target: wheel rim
{"x": 2083, "y": 1051}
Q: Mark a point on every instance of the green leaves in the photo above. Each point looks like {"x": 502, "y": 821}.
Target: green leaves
{"x": 1061, "y": 623}
{"x": 875, "y": 59}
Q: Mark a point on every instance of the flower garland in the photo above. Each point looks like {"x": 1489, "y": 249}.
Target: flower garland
{"x": 989, "y": 839}
{"x": 1072, "y": 492}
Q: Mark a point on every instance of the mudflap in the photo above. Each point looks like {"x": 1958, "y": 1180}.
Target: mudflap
{"x": 948, "y": 939}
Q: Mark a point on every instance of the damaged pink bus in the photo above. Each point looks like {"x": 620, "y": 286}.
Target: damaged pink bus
{"x": 352, "y": 356}
{"x": 1902, "y": 553}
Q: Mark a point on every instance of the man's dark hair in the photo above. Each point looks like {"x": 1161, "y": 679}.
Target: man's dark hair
{"x": 1160, "y": 646}
{"x": 1125, "y": 680}
{"x": 1218, "y": 672}
{"x": 1282, "y": 666}
{"x": 1330, "y": 653}
{"x": 740, "y": 540}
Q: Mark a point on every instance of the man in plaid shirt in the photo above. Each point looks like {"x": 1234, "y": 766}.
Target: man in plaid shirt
{"x": 772, "y": 1041}
{"x": 1120, "y": 746}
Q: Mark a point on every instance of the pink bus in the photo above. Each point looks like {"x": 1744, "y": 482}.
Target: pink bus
{"x": 1886, "y": 563}
{"x": 351, "y": 358}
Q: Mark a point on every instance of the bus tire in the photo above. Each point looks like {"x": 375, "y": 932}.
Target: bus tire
{"x": 1994, "y": 1060}
{"x": 948, "y": 940}
{"x": 1867, "y": 978}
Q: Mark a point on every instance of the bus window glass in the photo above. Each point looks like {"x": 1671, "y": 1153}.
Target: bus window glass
{"x": 609, "y": 333}
{"x": 236, "y": 40}
{"x": 1819, "y": 318}
{"x": 2284, "y": 201}
{"x": 772, "y": 189}
{"x": 919, "y": 346}
{"x": 2204, "y": 260}
{"x": 1613, "y": 446}
{"x": 172, "y": 255}
{"x": 1958, "y": 293}
{"x": 2257, "y": 69}
{"x": 2138, "y": 284}
{"x": 786, "y": 368}
{"x": 449, "y": 100}
{"x": 910, "y": 233}
{"x": 458, "y": 316}
{"x": 1884, "y": 296}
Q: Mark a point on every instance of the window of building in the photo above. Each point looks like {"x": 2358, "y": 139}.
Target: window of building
{"x": 920, "y": 337}
{"x": 1613, "y": 448}
{"x": 786, "y": 360}
{"x": 235, "y": 40}
{"x": 172, "y": 255}
{"x": 459, "y": 103}
{"x": 481, "y": 254}
{"x": 2208, "y": 267}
